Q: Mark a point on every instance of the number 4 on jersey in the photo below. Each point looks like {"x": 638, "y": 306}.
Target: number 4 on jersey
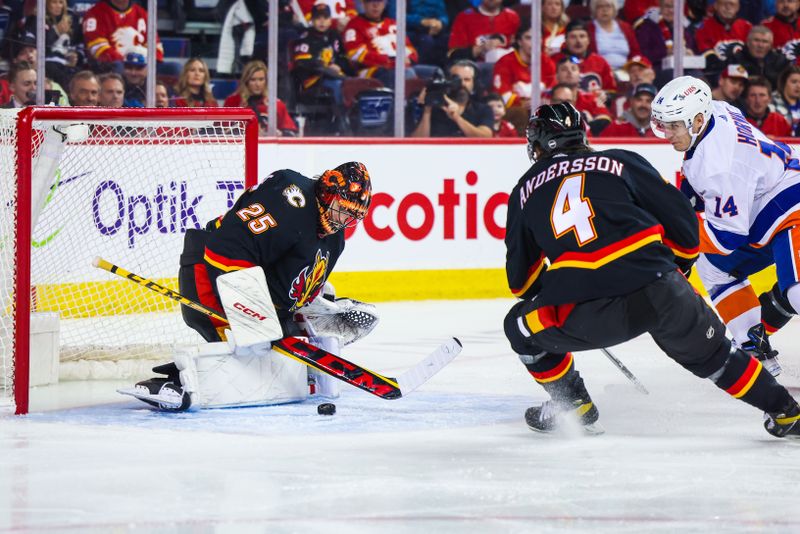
{"x": 572, "y": 211}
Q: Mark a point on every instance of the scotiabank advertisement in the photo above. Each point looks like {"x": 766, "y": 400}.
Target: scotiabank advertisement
{"x": 435, "y": 206}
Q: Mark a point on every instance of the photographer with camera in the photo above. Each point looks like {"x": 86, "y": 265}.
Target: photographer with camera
{"x": 22, "y": 85}
{"x": 450, "y": 109}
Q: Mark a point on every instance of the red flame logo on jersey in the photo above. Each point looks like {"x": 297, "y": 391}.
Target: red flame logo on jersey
{"x": 308, "y": 283}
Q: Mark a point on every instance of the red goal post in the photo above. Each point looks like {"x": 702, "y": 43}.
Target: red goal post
{"x": 166, "y": 150}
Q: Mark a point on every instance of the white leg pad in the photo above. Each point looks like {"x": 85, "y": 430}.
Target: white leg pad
{"x": 222, "y": 379}
{"x": 248, "y": 306}
{"x": 324, "y": 384}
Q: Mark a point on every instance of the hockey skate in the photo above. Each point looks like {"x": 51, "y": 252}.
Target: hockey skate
{"x": 785, "y": 424}
{"x": 163, "y": 393}
{"x": 553, "y": 414}
{"x": 759, "y": 347}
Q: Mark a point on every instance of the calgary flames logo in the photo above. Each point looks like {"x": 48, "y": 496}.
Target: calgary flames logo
{"x": 307, "y": 285}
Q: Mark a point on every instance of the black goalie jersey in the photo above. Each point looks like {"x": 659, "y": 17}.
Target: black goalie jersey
{"x": 275, "y": 226}
{"x": 594, "y": 224}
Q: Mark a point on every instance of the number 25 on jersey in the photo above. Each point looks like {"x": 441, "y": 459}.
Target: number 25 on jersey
{"x": 572, "y": 212}
{"x": 259, "y": 222}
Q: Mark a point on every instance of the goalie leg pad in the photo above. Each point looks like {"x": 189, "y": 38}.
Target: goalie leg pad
{"x": 249, "y": 309}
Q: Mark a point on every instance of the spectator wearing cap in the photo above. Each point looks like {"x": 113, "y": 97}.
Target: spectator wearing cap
{"x": 635, "y": 122}
{"x": 576, "y": 45}
{"x": 654, "y": 33}
{"x": 731, "y": 84}
{"x": 722, "y": 33}
{"x": 319, "y": 61}
{"x": 554, "y": 25}
{"x": 112, "y": 90}
{"x": 640, "y": 71}
{"x": 785, "y": 27}
{"x": 370, "y": 41}
{"x": 758, "y": 57}
{"x": 478, "y": 32}
{"x": 112, "y": 28}
{"x": 786, "y": 97}
{"x": 22, "y": 85}
{"x": 613, "y": 39}
{"x": 135, "y": 74}
{"x": 757, "y": 109}
{"x": 511, "y": 76}
{"x": 84, "y": 89}
{"x": 341, "y": 10}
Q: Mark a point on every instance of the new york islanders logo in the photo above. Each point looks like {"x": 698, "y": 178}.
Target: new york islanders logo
{"x": 308, "y": 283}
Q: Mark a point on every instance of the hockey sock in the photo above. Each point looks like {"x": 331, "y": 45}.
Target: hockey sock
{"x": 744, "y": 378}
{"x": 738, "y": 307}
{"x": 776, "y": 310}
{"x": 557, "y": 375}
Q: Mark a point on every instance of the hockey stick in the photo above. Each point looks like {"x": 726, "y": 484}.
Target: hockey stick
{"x": 625, "y": 371}
{"x": 315, "y": 357}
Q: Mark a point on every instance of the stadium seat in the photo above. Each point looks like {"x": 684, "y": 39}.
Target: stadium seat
{"x": 353, "y": 86}
{"x": 222, "y": 88}
{"x": 176, "y": 46}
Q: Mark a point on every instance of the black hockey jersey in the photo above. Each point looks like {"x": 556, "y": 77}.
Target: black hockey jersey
{"x": 595, "y": 224}
{"x": 275, "y": 226}
{"x": 314, "y": 53}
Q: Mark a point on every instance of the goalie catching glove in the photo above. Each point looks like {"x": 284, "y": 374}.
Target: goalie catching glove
{"x": 344, "y": 318}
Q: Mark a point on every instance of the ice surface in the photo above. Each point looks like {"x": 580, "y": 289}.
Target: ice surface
{"x": 455, "y": 456}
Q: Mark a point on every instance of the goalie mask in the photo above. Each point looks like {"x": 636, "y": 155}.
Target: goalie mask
{"x": 343, "y": 197}
{"x": 555, "y": 128}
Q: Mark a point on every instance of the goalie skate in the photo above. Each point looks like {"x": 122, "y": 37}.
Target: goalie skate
{"x": 553, "y": 415}
{"x": 160, "y": 393}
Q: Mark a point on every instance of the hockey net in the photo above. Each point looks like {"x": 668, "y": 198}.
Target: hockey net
{"x": 125, "y": 185}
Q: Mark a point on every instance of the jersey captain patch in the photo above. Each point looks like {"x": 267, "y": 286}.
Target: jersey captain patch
{"x": 308, "y": 283}
{"x": 294, "y": 196}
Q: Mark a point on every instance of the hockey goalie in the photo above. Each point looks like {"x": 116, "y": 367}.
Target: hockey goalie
{"x": 265, "y": 264}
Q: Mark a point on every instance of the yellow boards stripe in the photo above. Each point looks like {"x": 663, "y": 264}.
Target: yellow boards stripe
{"x": 124, "y": 297}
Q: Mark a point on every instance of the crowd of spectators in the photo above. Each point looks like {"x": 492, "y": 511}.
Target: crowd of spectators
{"x": 467, "y": 62}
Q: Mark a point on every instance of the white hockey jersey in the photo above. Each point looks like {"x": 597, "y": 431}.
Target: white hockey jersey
{"x": 749, "y": 183}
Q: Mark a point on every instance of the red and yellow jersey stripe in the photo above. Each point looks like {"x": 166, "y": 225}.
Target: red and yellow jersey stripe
{"x": 533, "y": 274}
{"x": 556, "y": 372}
{"x": 742, "y": 386}
{"x": 609, "y": 253}
{"x": 225, "y": 264}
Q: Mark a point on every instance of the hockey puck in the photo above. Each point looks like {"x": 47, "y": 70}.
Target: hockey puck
{"x": 326, "y": 408}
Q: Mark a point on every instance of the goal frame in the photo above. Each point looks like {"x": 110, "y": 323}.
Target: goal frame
{"x": 24, "y": 160}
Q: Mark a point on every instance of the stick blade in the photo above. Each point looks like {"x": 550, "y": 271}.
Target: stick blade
{"x": 429, "y": 366}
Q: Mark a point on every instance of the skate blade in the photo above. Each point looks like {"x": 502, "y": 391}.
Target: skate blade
{"x": 165, "y": 401}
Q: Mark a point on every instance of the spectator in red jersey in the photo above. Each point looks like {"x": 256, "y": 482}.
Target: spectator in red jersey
{"x": 613, "y": 39}
{"x": 22, "y": 85}
{"x": 480, "y": 33}
{"x": 731, "y": 85}
{"x": 577, "y": 45}
{"x": 341, "y": 11}
{"x": 370, "y": 41}
{"x": 590, "y": 103}
{"x": 112, "y": 28}
{"x": 757, "y": 109}
{"x": 501, "y": 128}
{"x": 554, "y": 25}
{"x": 512, "y": 73}
{"x": 112, "y": 90}
{"x": 758, "y": 57}
{"x": 635, "y": 122}
{"x": 786, "y": 97}
{"x": 722, "y": 34}
{"x": 252, "y": 93}
{"x": 84, "y": 89}
{"x": 785, "y": 27}
{"x": 193, "y": 89}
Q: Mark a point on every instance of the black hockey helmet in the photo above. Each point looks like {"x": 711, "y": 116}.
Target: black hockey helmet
{"x": 343, "y": 196}
{"x": 553, "y": 128}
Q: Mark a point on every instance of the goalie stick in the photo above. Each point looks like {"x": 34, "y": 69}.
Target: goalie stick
{"x": 315, "y": 357}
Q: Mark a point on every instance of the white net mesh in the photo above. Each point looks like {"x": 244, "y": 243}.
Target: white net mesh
{"x": 126, "y": 192}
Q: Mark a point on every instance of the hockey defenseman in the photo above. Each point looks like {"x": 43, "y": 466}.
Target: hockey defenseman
{"x": 596, "y": 242}
{"x": 264, "y": 264}
{"x": 747, "y": 187}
